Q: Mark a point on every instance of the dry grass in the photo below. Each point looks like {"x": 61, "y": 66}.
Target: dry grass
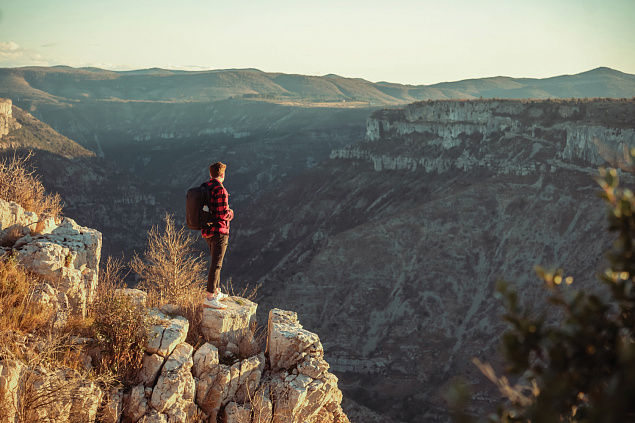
{"x": 119, "y": 325}
{"x": 169, "y": 269}
{"x": 51, "y": 376}
{"x": 20, "y": 184}
{"x": 18, "y": 314}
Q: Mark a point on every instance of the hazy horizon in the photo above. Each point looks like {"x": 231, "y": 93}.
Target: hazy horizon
{"x": 407, "y": 41}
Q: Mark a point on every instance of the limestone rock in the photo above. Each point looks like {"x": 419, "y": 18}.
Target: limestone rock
{"x": 176, "y": 381}
{"x": 10, "y": 371}
{"x": 13, "y": 218}
{"x": 235, "y": 324}
{"x": 205, "y": 360}
{"x": 7, "y": 122}
{"x": 154, "y": 416}
{"x": 301, "y": 399}
{"x": 166, "y": 334}
{"x": 85, "y": 402}
{"x": 67, "y": 255}
{"x": 290, "y": 344}
{"x": 137, "y": 403}
{"x": 262, "y": 406}
{"x": 150, "y": 369}
{"x": 251, "y": 371}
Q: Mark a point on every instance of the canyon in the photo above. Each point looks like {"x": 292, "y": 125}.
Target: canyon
{"x": 385, "y": 229}
{"x": 392, "y": 247}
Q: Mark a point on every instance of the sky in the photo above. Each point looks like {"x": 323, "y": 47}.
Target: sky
{"x": 418, "y": 42}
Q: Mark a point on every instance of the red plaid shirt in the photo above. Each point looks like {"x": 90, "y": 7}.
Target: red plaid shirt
{"x": 219, "y": 209}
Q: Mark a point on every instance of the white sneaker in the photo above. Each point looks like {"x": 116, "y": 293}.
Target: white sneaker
{"x": 213, "y": 303}
{"x": 221, "y": 296}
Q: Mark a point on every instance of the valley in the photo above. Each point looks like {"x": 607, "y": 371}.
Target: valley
{"x": 385, "y": 227}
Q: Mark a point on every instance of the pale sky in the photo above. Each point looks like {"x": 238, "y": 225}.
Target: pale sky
{"x": 403, "y": 41}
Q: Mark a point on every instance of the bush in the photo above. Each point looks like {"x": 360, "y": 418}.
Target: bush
{"x": 170, "y": 270}
{"x": 18, "y": 183}
{"x": 18, "y": 314}
{"x": 120, "y": 326}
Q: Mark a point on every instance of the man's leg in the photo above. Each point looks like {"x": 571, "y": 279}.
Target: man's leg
{"x": 217, "y": 247}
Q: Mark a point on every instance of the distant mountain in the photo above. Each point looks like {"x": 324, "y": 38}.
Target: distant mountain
{"x": 67, "y": 85}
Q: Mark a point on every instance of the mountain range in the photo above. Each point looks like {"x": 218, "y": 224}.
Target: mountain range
{"x": 61, "y": 84}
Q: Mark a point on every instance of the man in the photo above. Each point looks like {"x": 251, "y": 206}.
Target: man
{"x": 217, "y": 234}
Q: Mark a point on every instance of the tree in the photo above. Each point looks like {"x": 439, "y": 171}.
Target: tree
{"x": 169, "y": 268}
{"x": 581, "y": 369}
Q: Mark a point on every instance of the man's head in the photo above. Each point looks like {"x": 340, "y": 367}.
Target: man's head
{"x": 217, "y": 170}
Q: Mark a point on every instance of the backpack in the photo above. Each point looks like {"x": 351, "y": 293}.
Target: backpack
{"x": 195, "y": 199}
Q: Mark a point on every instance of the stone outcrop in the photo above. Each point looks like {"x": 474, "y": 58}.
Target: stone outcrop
{"x": 7, "y": 122}
{"x": 64, "y": 253}
{"x": 574, "y": 130}
{"x": 231, "y": 330}
{"x": 221, "y": 380}
{"x": 227, "y": 377}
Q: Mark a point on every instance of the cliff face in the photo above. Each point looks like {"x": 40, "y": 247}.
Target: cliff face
{"x": 392, "y": 248}
{"x": 551, "y": 133}
{"x": 7, "y": 122}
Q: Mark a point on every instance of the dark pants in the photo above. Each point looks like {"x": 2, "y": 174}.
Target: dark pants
{"x": 217, "y": 246}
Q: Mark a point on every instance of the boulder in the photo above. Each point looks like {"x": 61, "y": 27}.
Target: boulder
{"x": 262, "y": 406}
{"x": 176, "y": 381}
{"x": 85, "y": 401}
{"x": 166, "y": 333}
{"x": 67, "y": 255}
{"x": 205, "y": 360}
{"x": 251, "y": 371}
{"x": 137, "y": 296}
{"x": 137, "y": 404}
{"x": 289, "y": 344}
{"x": 234, "y": 325}
{"x": 14, "y": 220}
{"x": 150, "y": 369}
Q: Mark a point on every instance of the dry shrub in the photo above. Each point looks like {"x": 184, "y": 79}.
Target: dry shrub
{"x": 16, "y": 288}
{"x": 20, "y": 184}
{"x": 119, "y": 325}
{"x": 50, "y": 376}
{"x": 169, "y": 269}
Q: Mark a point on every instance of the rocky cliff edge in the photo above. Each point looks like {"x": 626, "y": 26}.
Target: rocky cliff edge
{"x": 226, "y": 379}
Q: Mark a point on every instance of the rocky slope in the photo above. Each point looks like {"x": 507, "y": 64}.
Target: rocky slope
{"x": 392, "y": 248}
{"x": 93, "y": 190}
{"x": 226, "y": 379}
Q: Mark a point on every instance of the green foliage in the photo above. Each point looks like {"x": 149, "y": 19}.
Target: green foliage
{"x": 581, "y": 369}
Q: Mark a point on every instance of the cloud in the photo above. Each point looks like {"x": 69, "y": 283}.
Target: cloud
{"x": 13, "y": 55}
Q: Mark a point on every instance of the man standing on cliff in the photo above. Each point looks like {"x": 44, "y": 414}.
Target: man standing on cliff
{"x": 217, "y": 234}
